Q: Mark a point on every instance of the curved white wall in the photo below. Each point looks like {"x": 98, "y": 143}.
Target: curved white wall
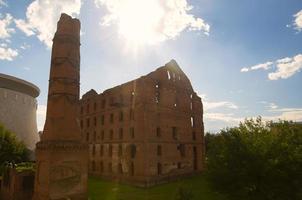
{"x": 18, "y": 114}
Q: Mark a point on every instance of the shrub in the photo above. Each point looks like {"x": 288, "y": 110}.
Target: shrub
{"x": 11, "y": 149}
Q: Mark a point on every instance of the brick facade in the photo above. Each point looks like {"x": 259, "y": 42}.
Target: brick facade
{"x": 146, "y": 131}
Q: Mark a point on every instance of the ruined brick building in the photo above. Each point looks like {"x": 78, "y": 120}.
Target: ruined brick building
{"x": 145, "y": 131}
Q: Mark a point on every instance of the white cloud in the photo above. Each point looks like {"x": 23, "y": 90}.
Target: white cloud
{"x": 298, "y": 21}
{"x": 208, "y": 104}
{"x": 212, "y": 105}
{"x": 285, "y": 109}
{"x": 226, "y": 117}
{"x": 24, "y": 26}
{"x": 287, "y": 67}
{"x": 264, "y": 66}
{"x": 214, "y": 119}
{"x": 7, "y": 53}
{"x": 42, "y": 17}
{"x": 151, "y": 21}
{"x": 41, "y": 116}
{"x": 218, "y": 120}
{"x": 272, "y": 106}
{"x": 284, "y": 60}
{"x": 5, "y": 30}
{"x": 229, "y": 119}
{"x": 269, "y": 105}
{"x": 244, "y": 69}
{"x": 3, "y": 3}
{"x": 25, "y": 46}
{"x": 3, "y": 45}
{"x": 293, "y": 114}
{"x": 290, "y": 114}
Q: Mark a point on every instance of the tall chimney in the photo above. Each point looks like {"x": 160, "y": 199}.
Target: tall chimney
{"x": 61, "y": 156}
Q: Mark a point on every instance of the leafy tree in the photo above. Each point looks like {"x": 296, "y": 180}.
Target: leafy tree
{"x": 257, "y": 160}
{"x": 207, "y": 138}
{"x": 11, "y": 149}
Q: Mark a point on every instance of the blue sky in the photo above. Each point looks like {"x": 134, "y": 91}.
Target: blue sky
{"x": 232, "y": 51}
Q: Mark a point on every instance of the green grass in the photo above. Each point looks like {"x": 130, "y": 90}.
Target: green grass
{"x": 106, "y": 190}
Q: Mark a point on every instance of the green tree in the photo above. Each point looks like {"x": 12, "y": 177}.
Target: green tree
{"x": 257, "y": 160}
{"x": 11, "y": 149}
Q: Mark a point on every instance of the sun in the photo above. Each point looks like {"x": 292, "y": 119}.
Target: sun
{"x": 140, "y": 21}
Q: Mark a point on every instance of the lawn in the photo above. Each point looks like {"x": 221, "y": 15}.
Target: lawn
{"x": 106, "y": 190}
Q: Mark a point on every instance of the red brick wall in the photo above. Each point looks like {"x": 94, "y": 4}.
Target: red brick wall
{"x": 154, "y": 106}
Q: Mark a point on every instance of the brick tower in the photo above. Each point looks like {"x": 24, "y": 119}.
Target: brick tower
{"x": 61, "y": 155}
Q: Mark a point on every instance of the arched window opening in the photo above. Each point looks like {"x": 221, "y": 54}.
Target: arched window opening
{"x": 120, "y": 150}
{"x": 93, "y": 150}
{"x": 101, "y": 150}
{"x": 87, "y": 136}
{"x": 102, "y": 135}
{"x": 120, "y": 168}
{"x": 159, "y": 150}
{"x": 159, "y": 169}
{"x": 192, "y": 121}
{"x": 168, "y": 74}
{"x": 121, "y": 118}
{"x": 133, "y": 151}
{"x": 103, "y": 103}
{"x": 111, "y": 118}
{"x": 121, "y": 134}
{"x": 101, "y": 166}
{"x": 174, "y": 133}
{"x": 132, "y": 132}
{"x": 111, "y": 134}
{"x": 94, "y": 121}
{"x": 158, "y": 133}
{"x": 195, "y": 164}
{"x": 131, "y": 169}
{"x": 93, "y": 165}
{"x": 94, "y": 136}
{"x": 94, "y": 106}
{"x": 110, "y": 167}
{"x": 110, "y": 150}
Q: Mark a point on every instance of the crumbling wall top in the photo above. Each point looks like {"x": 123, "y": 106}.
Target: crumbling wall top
{"x": 89, "y": 94}
{"x": 169, "y": 74}
{"x": 68, "y": 25}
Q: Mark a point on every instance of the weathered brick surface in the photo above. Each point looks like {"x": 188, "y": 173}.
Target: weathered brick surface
{"x": 157, "y": 118}
{"x": 61, "y": 155}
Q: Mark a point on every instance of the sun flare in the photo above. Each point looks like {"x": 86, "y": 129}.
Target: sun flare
{"x": 142, "y": 22}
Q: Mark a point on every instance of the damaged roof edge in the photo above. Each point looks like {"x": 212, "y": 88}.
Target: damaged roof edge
{"x": 171, "y": 65}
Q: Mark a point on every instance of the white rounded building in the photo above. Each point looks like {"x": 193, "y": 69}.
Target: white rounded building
{"x": 18, "y": 106}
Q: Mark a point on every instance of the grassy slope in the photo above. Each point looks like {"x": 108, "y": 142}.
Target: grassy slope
{"x": 105, "y": 190}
